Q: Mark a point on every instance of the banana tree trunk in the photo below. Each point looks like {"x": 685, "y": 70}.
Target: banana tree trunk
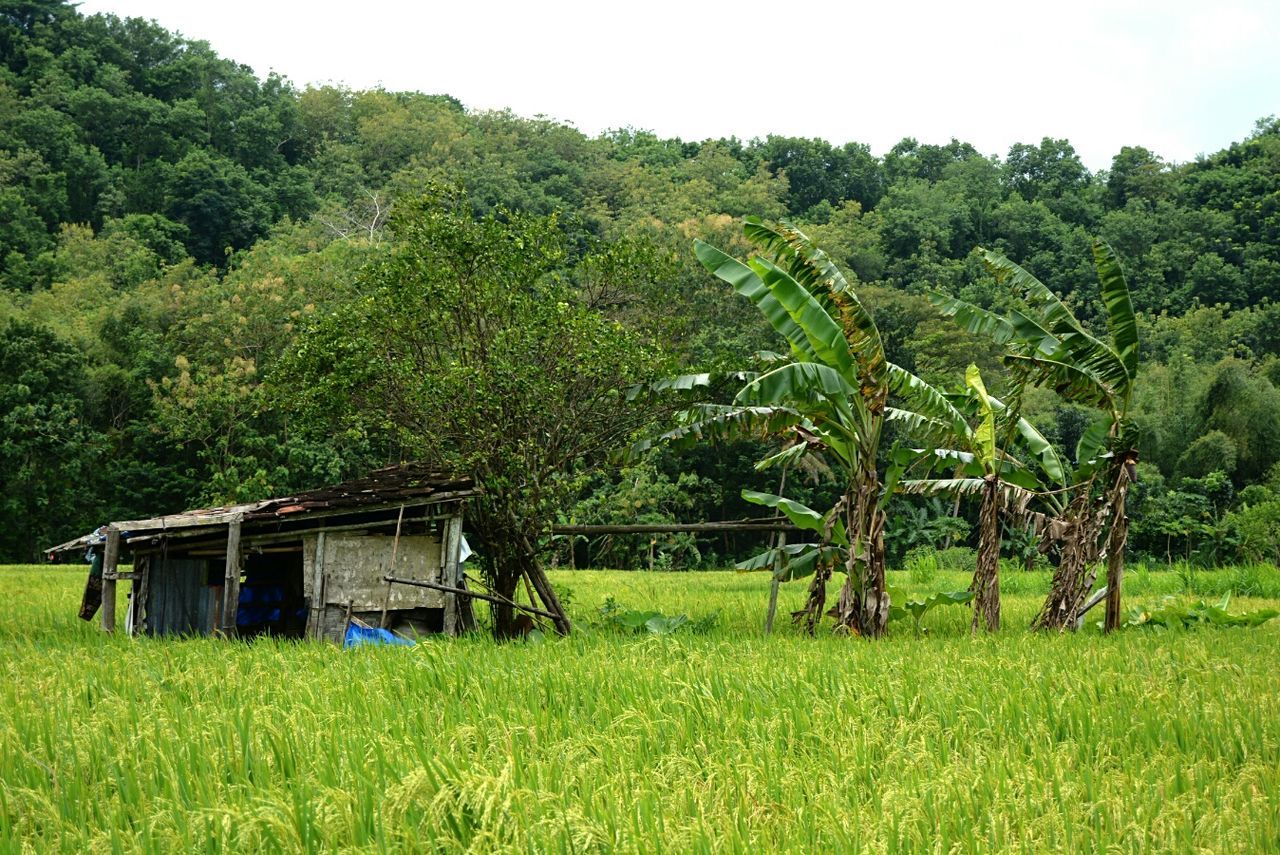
{"x": 863, "y": 607}
{"x": 811, "y": 614}
{"x": 1118, "y": 538}
{"x": 986, "y": 575}
{"x": 1077, "y": 568}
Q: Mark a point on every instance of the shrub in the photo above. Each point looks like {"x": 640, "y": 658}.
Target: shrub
{"x": 1245, "y": 580}
{"x": 1171, "y": 614}
{"x": 1024, "y": 583}
{"x": 960, "y": 559}
{"x": 1258, "y": 528}
{"x": 922, "y": 565}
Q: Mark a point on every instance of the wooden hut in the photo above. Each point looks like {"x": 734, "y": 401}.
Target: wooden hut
{"x": 300, "y": 566}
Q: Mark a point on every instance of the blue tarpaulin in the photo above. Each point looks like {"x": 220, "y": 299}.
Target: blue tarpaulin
{"x": 357, "y": 635}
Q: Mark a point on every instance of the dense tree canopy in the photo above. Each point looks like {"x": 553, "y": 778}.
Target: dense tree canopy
{"x": 170, "y": 223}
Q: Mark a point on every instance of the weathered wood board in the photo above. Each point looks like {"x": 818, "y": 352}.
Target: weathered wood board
{"x": 353, "y": 567}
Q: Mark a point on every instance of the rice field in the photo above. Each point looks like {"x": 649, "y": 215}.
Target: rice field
{"x": 717, "y": 740}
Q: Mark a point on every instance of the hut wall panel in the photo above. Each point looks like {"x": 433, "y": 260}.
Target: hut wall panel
{"x": 178, "y": 598}
{"x": 353, "y": 566}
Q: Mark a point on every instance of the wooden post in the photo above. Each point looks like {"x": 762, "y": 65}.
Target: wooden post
{"x": 450, "y": 546}
{"x": 466, "y": 614}
{"x": 231, "y": 586}
{"x": 217, "y": 598}
{"x": 316, "y": 617}
{"x": 395, "y": 546}
{"x": 779, "y": 541}
{"x": 110, "y": 557}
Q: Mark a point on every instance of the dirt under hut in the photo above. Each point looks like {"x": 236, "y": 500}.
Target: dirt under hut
{"x": 302, "y": 566}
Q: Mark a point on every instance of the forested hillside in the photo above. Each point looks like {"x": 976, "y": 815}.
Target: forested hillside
{"x": 174, "y": 231}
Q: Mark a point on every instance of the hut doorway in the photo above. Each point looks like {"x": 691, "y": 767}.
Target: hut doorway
{"x": 271, "y": 595}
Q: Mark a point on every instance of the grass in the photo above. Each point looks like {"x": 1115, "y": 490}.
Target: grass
{"x": 721, "y": 741}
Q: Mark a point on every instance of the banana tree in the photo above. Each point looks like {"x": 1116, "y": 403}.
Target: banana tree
{"x": 1054, "y": 349}
{"x": 986, "y": 468}
{"x": 834, "y": 386}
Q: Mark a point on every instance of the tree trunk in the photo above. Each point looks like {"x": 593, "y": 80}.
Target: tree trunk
{"x": 780, "y": 540}
{"x": 812, "y": 611}
{"x": 986, "y": 575}
{"x": 863, "y": 607}
{"x": 1083, "y": 550}
{"x": 1117, "y": 540}
{"x": 1076, "y": 572}
{"x": 773, "y": 606}
{"x": 504, "y": 584}
{"x": 955, "y": 509}
{"x": 511, "y": 556}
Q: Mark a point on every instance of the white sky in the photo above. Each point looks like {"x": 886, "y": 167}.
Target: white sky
{"x": 1182, "y": 77}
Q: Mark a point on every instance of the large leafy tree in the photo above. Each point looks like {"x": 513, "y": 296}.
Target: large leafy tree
{"x": 465, "y": 345}
{"x": 46, "y": 443}
{"x": 818, "y": 172}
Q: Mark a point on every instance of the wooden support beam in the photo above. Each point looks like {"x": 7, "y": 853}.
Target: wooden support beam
{"x": 178, "y": 525}
{"x": 547, "y": 594}
{"x": 386, "y": 597}
{"x": 450, "y": 546}
{"x": 231, "y": 586}
{"x": 672, "y": 528}
{"x": 316, "y": 617}
{"x": 110, "y": 558}
{"x": 466, "y": 613}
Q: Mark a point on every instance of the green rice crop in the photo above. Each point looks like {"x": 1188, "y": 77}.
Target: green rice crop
{"x": 721, "y": 740}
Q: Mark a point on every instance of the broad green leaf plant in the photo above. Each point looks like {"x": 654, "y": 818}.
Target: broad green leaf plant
{"x": 1044, "y": 339}
{"x": 832, "y": 392}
